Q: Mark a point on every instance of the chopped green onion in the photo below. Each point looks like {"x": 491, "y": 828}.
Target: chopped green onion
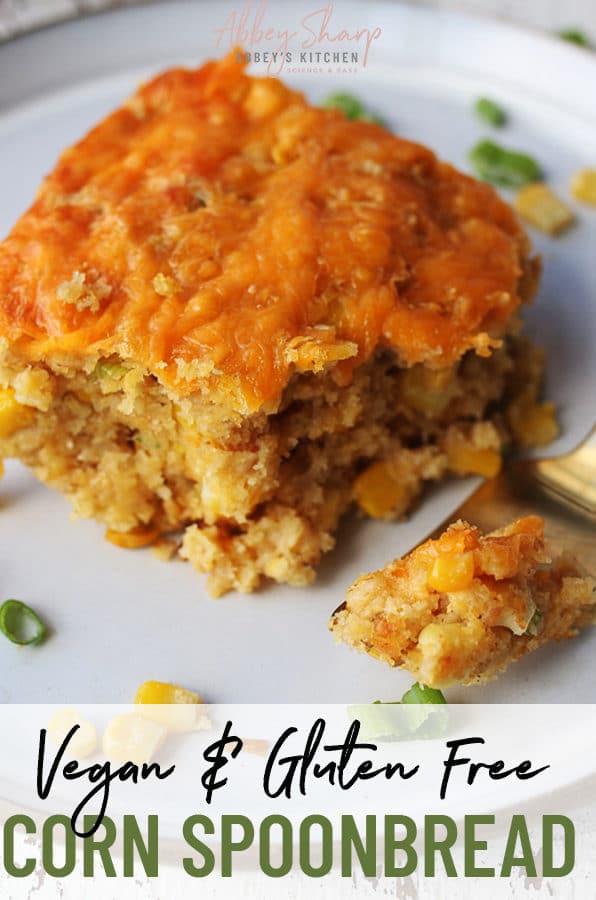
{"x": 501, "y": 166}
{"x": 419, "y": 720}
{"x": 20, "y": 623}
{"x": 352, "y": 108}
{"x": 575, "y": 36}
{"x": 535, "y": 623}
{"x": 489, "y": 111}
{"x": 107, "y": 369}
{"x": 419, "y": 693}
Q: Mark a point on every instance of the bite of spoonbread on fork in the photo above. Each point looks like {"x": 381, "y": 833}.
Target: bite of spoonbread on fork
{"x": 461, "y": 608}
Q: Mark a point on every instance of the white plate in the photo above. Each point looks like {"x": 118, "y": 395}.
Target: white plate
{"x": 120, "y": 618}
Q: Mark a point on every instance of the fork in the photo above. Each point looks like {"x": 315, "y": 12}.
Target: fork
{"x": 560, "y": 489}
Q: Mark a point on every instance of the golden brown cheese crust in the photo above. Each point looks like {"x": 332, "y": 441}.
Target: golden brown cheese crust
{"x": 461, "y": 608}
{"x": 218, "y": 230}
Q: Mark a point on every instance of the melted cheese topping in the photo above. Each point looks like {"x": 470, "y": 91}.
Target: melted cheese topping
{"x": 220, "y": 231}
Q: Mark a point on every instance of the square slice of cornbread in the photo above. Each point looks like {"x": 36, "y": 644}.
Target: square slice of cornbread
{"x": 231, "y": 314}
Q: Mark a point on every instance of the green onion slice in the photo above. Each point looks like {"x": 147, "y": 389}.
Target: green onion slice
{"x": 502, "y": 166}
{"x": 535, "y": 623}
{"x": 490, "y": 111}
{"x": 425, "y": 716}
{"x": 20, "y": 623}
{"x": 419, "y": 693}
{"x": 575, "y": 36}
{"x": 107, "y": 369}
{"x": 352, "y": 108}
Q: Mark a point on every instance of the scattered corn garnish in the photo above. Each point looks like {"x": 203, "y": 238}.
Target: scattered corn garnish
{"x": 583, "y": 186}
{"x": 13, "y": 415}
{"x": 452, "y": 573}
{"x": 540, "y": 207}
{"x": 379, "y": 493}
{"x": 84, "y": 741}
{"x": 131, "y": 737}
{"x": 171, "y": 706}
{"x": 466, "y": 460}
{"x": 161, "y": 692}
{"x": 134, "y": 539}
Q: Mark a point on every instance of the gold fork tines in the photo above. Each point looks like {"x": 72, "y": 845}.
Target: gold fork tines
{"x": 561, "y": 490}
{"x": 571, "y": 479}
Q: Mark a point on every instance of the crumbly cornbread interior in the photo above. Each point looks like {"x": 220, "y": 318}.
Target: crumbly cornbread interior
{"x": 260, "y": 496}
{"x": 461, "y": 608}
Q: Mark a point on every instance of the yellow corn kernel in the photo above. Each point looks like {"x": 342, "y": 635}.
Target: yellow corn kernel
{"x": 426, "y": 390}
{"x": 540, "y": 207}
{"x": 13, "y": 415}
{"x": 583, "y": 186}
{"x": 452, "y": 573}
{"x": 467, "y": 460}
{"x": 1, "y": 469}
{"x": 378, "y": 492}
{"x": 171, "y": 706}
{"x": 164, "y": 285}
{"x": 160, "y": 692}
{"x": 532, "y": 424}
{"x": 446, "y": 651}
{"x": 134, "y": 539}
{"x": 164, "y": 550}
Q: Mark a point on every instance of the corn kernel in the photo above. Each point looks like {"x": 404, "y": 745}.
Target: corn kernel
{"x": 533, "y": 424}
{"x": 134, "y": 539}
{"x": 426, "y": 390}
{"x": 539, "y": 206}
{"x": 378, "y": 492}
{"x": 83, "y": 742}
{"x": 164, "y": 549}
{"x": 444, "y": 649}
{"x": 161, "y": 692}
{"x": 134, "y": 738}
{"x": 171, "y": 706}
{"x": 1, "y": 468}
{"x": 467, "y": 460}
{"x": 13, "y": 415}
{"x": 164, "y": 285}
{"x": 583, "y": 186}
{"x": 452, "y": 573}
